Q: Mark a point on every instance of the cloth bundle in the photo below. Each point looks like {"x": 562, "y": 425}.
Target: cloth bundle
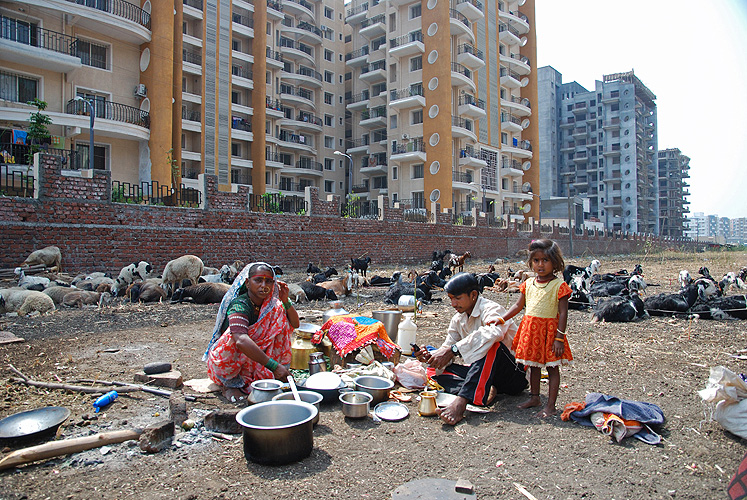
{"x": 348, "y": 332}
{"x": 618, "y": 418}
{"x": 727, "y": 391}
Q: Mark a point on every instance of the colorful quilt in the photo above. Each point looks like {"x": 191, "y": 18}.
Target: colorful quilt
{"x": 349, "y": 332}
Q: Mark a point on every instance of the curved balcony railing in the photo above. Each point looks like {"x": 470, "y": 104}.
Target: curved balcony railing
{"x": 273, "y": 104}
{"x": 110, "y": 111}
{"x": 357, "y": 10}
{"x": 363, "y": 51}
{"x": 357, "y": 143}
{"x": 292, "y": 44}
{"x": 119, "y": 8}
{"x": 464, "y": 177}
{"x": 243, "y": 20}
{"x": 304, "y": 71}
{"x": 508, "y": 72}
{"x": 459, "y": 68}
{"x": 506, "y": 163}
{"x": 508, "y": 117}
{"x": 473, "y": 2}
{"x": 299, "y": 92}
{"x": 470, "y": 99}
{"x": 192, "y": 57}
{"x": 275, "y": 5}
{"x": 454, "y": 14}
{"x": 510, "y": 29}
{"x": 309, "y": 118}
{"x": 191, "y": 115}
{"x": 273, "y": 156}
{"x": 470, "y": 152}
{"x": 415, "y": 36}
{"x": 395, "y": 95}
{"x": 39, "y": 37}
{"x": 302, "y": 3}
{"x": 310, "y": 28}
{"x": 195, "y": 4}
{"x": 363, "y": 96}
{"x": 286, "y": 136}
{"x": 374, "y": 20}
{"x": 467, "y": 48}
{"x": 520, "y": 15}
{"x": 310, "y": 165}
{"x": 378, "y": 112}
{"x": 271, "y": 54}
{"x": 242, "y": 71}
{"x": 415, "y": 145}
{"x": 518, "y": 100}
{"x": 521, "y": 58}
{"x": 458, "y": 121}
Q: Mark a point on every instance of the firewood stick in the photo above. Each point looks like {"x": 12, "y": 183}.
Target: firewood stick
{"x": 77, "y": 388}
{"x": 65, "y": 447}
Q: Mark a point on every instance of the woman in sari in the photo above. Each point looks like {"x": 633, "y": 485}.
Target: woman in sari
{"x": 252, "y": 335}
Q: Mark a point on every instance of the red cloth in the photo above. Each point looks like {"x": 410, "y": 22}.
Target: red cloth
{"x": 738, "y": 486}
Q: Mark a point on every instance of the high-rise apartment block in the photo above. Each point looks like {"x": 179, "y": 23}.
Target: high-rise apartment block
{"x": 605, "y": 142}
{"x": 430, "y": 101}
{"x": 674, "y": 169}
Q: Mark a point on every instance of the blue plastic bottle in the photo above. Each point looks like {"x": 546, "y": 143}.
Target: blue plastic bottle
{"x": 104, "y": 400}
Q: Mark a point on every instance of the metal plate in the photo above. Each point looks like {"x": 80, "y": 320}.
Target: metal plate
{"x": 32, "y": 424}
{"x": 444, "y": 399}
{"x": 391, "y": 410}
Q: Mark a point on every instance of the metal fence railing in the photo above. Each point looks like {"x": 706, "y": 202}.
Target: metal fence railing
{"x": 15, "y": 182}
{"x": 361, "y": 209}
{"x": 154, "y": 193}
{"x": 278, "y": 203}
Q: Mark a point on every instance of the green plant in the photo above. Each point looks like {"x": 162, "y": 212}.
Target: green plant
{"x": 176, "y": 174}
{"x": 271, "y": 202}
{"x": 37, "y": 131}
{"x": 118, "y": 195}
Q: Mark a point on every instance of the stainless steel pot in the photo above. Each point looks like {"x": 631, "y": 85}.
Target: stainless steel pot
{"x": 377, "y": 387}
{"x": 355, "y": 404}
{"x": 391, "y": 321}
{"x": 310, "y": 397}
{"x": 277, "y": 432}
{"x": 264, "y": 390}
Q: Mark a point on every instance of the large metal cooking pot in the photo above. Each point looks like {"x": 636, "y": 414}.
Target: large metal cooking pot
{"x": 391, "y": 321}
{"x": 277, "y": 432}
{"x": 378, "y": 387}
{"x": 310, "y": 397}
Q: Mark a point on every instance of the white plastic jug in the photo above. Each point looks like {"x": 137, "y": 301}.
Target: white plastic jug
{"x": 406, "y": 333}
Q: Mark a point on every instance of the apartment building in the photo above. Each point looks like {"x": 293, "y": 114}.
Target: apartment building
{"x": 439, "y": 102}
{"x": 251, "y": 94}
{"x": 674, "y": 169}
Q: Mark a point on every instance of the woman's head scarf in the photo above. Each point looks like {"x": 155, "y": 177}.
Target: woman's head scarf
{"x": 231, "y": 294}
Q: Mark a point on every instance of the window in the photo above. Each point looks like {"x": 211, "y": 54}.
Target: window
{"x": 92, "y": 54}
{"x": 329, "y": 164}
{"x": 393, "y": 121}
{"x": 615, "y": 107}
{"x": 418, "y": 200}
{"x": 329, "y": 121}
{"x": 235, "y": 149}
{"x": 329, "y": 34}
{"x": 19, "y": 31}
{"x": 416, "y": 63}
{"x": 328, "y": 98}
{"x": 417, "y": 116}
{"x": 392, "y": 23}
{"x": 329, "y": 186}
{"x": 417, "y": 171}
{"x": 329, "y": 142}
{"x": 392, "y": 73}
{"x": 236, "y": 45}
{"x": 235, "y": 98}
{"x": 415, "y": 11}
{"x": 329, "y": 77}
{"x": 17, "y": 88}
{"x": 99, "y": 155}
{"x": 328, "y": 55}
{"x": 329, "y": 13}
{"x": 379, "y": 182}
{"x": 394, "y": 174}
{"x": 348, "y": 76}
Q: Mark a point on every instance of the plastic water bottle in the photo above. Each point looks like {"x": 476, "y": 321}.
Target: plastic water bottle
{"x": 406, "y": 333}
{"x": 104, "y": 400}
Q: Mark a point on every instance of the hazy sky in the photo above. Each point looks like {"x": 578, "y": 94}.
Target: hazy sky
{"x": 692, "y": 55}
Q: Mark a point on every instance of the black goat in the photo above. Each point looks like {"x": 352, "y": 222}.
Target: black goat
{"x": 312, "y": 269}
{"x": 483, "y": 281}
{"x": 731, "y": 307}
{"x": 441, "y": 255}
{"x": 664, "y": 304}
{"x": 619, "y": 309}
{"x": 323, "y": 276}
{"x": 201, "y": 293}
{"x": 360, "y": 265}
{"x": 316, "y": 292}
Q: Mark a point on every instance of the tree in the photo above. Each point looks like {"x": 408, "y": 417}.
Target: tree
{"x": 37, "y": 128}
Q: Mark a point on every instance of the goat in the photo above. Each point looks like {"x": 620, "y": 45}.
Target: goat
{"x": 457, "y": 261}
{"x": 316, "y": 292}
{"x": 323, "y": 276}
{"x": 81, "y": 298}
{"x": 399, "y": 288}
{"x": 201, "y": 293}
{"x": 360, "y": 265}
{"x": 338, "y": 286}
{"x": 619, "y": 309}
{"x": 586, "y": 273}
{"x": 442, "y": 255}
{"x": 50, "y": 256}
{"x": 731, "y": 307}
{"x": 685, "y": 278}
{"x": 57, "y": 293}
{"x": 130, "y": 274}
{"x": 483, "y": 281}
{"x": 312, "y": 269}
{"x": 579, "y": 298}
{"x": 729, "y": 280}
{"x": 664, "y": 304}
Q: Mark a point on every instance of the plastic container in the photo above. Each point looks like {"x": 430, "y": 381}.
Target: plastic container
{"x": 104, "y": 400}
{"x": 407, "y": 333}
{"x": 336, "y": 310}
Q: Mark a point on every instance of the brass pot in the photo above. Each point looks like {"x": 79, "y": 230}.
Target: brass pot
{"x": 301, "y": 349}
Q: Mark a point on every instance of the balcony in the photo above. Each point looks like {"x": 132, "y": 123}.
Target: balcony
{"x": 407, "y": 98}
{"x": 358, "y": 101}
{"x": 192, "y": 62}
{"x": 112, "y": 119}
{"x": 274, "y": 59}
{"x": 243, "y": 25}
{"x": 517, "y": 148}
{"x": 241, "y": 129}
{"x": 373, "y": 27}
{"x": 471, "y": 9}
{"x": 469, "y": 157}
{"x": 193, "y": 9}
{"x": 305, "y": 166}
{"x": 274, "y": 10}
{"x": 508, "y": 34}
{"x": 407, "y": 45}
{"x": 463, "y": 129}
{"x": 470, "y": 56}
{"x": 302, "y": 31}
{"x": 518, "y": 105}
{"x": 515, "y": 19}
{"x": 304, "y": 75}
{"x": 374, "y": 164}
{"x": 516, "y": 62}
{"x": 241, "y": 76}
{"x": 356, "y": 14}
{"x": 470, "y": 106}
{"x": 41, "y": 48}
{"x": 296, "y": 51}
{"x": 374, "y": 118}
{"x": 511, "y": 168}
{"x": 461, "y": 76}
{"x": 374, "y": 72}
{"x": 580, "y": 108}
{"x": 273, "y": 107}
{"x": 459, "y": 25}
{"x": 358, "y": 145}
{"x": 579, "y": 132}
{"x": 298, "y": 8}
{"x": 413, "y": 150}
{"x": 612, "y": 124}
{"x": 512, "y": 79}
{"x": 117, "y": 19}
{"x": 357, "y": 58}
{"x": 273, "y": 159}
{"x": 296, "y": 96}
{"x": 298, "y": 142}
{"x": 463, "y": 180}
{"x": 569, "y": 123}
{"x": 614, "y": 150}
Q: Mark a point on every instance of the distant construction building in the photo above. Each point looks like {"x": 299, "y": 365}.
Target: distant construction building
{"x": 674, "y": 169}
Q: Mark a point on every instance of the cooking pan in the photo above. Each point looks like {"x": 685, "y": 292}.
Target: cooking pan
{"x": 33, "y": 425}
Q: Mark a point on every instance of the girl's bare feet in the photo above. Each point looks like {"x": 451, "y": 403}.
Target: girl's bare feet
{"x": 547, "y": 411}
{"x": 534, "y": 400}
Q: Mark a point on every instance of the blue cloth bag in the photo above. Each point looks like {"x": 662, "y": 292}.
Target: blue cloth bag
{"x": 645, "y": 413}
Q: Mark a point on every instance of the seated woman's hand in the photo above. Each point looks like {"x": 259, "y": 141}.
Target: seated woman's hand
{"x": 281, "y": 373}
{"x": 283, "y": 291}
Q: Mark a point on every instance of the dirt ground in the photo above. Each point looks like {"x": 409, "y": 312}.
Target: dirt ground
{"x": 659, "y": 360}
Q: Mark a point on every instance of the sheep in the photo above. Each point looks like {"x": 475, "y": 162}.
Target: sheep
{"x": 89, "y": 277}
{"x": 50, "y": 256}
{"x": 201, "y": 293}
{"x": 619, "y": 309}
{"x": 80, "y": 298}
{"x": 457, "y": 261}
{"x": 145, "y": 291}
{"x": 23, "y": 302}
{"x": 211, "y": 278}
{"x": 207, "y": 271}
{"x": 130, "y": 274}
{"x": 37, "y": 283}
{"x": 360, "y": 265}
{"x": 316, "y": 292}
{"x": 184, "y": 267}
{"x": 93, "y": 284}
{"x": 57, "y": 293}
{"x": 296, "y": 293}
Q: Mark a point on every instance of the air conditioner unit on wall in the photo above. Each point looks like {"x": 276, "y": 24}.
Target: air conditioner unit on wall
{"x": 140, "y": 90}
{"x": 405, "y": 137}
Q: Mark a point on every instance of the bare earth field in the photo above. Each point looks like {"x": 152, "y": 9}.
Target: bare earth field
{"x": 659, "y": 360}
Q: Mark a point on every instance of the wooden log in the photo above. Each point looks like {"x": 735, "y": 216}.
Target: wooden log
{"x": 66, "y": 447}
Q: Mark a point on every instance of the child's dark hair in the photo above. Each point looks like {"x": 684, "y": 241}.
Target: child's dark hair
{"x": 551, "y": 250}
{"x": 461, "y": 283}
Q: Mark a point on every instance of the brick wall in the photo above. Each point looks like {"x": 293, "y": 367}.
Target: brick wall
{"x": 75, "y": 214}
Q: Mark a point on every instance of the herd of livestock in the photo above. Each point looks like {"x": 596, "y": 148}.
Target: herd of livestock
{"x": 611, "y": 297}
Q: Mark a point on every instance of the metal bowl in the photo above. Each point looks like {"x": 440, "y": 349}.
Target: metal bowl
{"x": 377, "y": 387}
{"x": 32, "y": 425}
{"x": 277, "y": 432}
{"x": 313, "y": 398}
{"x": 355, "y": 404}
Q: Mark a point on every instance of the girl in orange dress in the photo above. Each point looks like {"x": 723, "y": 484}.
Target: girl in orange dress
{"x": 541, "y": 340}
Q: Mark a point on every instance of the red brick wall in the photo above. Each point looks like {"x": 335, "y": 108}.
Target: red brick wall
{"x": 94, "y": 234}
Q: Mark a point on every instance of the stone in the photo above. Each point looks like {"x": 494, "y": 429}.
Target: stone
{"x": 178, "y": 408}
{"x": 157, "y": 367}
{"x": 157, "y": 437}
{"x": 464, "y": 486}
{"x": 172, "y": 379}
{"x": 223, "y": 421}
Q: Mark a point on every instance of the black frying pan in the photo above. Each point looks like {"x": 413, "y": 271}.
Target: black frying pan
{"x": 32, "y": 425}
